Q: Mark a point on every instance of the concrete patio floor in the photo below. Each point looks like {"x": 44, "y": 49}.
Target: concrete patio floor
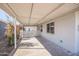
{"x": 53, "y": 48}
{"x": 31, "y": 47}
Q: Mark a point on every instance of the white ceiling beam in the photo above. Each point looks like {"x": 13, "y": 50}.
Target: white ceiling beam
{"x": 27, "y": 17}
{"x": 14, "y": 13}
{"x": 77, "y": 9}
{"x": 50, "y": 12}
{"x": 5, "y": 8}
{"x": 30, "y": 14}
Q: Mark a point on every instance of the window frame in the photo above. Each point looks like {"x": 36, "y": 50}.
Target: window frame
{"x": 51, "y": 27}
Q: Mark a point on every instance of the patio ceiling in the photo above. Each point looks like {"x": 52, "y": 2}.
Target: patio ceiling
{"x": 37, "y": 13}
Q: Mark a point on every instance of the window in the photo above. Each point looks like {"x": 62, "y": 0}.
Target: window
{"x": 50, "y": 28}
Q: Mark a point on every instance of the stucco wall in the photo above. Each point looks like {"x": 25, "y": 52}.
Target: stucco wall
{"x": 64, "y": 30}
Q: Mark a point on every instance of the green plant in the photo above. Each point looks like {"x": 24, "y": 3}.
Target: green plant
{"x": 11, "y": 40}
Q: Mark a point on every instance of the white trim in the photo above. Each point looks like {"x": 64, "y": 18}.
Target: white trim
{"x": 75, "y": 32}
{"x": 15, "y": 32}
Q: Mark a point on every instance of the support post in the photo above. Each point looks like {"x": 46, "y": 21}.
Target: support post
{"x": 15, "y": 33}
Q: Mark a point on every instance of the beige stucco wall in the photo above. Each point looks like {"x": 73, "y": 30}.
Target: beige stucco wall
{"x": 64, "y": 30}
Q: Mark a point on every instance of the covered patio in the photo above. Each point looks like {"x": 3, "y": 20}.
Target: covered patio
{"x": 44, "y": 29}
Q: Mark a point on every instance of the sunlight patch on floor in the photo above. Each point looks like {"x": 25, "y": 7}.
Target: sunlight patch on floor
{"x": 31, "y": 47}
